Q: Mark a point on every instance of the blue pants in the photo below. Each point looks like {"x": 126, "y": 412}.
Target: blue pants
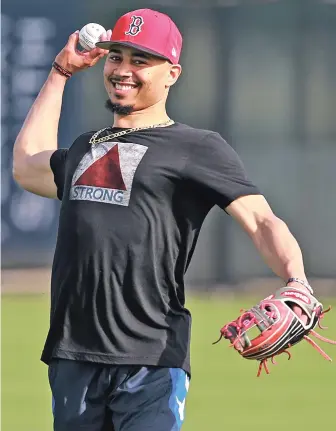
{"x": 93, "y": 397}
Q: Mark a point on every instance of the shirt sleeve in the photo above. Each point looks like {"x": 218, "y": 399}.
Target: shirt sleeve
{"x": 57, "y": 164}
{"x": 214, "y": 166}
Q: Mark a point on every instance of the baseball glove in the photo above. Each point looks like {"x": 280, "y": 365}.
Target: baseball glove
{"x": 278, "y": 327}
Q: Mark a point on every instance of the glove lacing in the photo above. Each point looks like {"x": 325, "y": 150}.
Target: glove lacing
{"x": 240, "y": 329}
{"x": 263, "y": 362}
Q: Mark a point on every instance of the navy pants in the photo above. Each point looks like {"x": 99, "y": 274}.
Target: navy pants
{"x": 93, "y": 397}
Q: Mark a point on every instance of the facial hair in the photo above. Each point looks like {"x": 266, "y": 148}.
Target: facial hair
{"x": 116, "y": 108}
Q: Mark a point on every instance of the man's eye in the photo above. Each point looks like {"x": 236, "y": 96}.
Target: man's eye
{"x": 139, "y": 62}
{"x": 114, "y": 58}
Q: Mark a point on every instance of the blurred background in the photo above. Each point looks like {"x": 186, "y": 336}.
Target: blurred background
{"x": 261, "y": 73}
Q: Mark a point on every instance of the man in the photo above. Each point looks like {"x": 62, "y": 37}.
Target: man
{"x": 134, "y": 197}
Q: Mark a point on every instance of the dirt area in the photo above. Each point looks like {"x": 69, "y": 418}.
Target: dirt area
{"x": 37, "y": 280}
{"x": 32, "y": 280}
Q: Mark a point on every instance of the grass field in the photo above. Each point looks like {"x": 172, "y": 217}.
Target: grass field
{"x": 225, "y": 393}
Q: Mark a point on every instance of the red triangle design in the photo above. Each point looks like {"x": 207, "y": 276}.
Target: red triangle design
{"x": 105, "y": 172}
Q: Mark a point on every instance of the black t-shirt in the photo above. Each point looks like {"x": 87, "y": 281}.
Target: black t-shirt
{"x": 131, "y": 213}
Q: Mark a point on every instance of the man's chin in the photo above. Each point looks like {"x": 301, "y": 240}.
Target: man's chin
{"x": 118, "y": 108}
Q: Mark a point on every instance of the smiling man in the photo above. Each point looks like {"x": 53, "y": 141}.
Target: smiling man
{"x": 145, "y": 83}
{"x": 134, "y": 197}
{"x": 142, "y": 65}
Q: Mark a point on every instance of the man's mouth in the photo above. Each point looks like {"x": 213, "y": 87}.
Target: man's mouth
{"x": 123, "y": 86}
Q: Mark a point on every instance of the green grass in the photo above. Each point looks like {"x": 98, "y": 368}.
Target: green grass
{"x": 225, "y": 393}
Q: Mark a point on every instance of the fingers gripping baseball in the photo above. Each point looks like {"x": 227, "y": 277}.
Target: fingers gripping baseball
{"x": 74, "y": 60}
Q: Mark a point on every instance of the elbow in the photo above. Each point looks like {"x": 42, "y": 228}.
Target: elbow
{"x": 264, "y": 222}
{"x": 15, "y": 170}
{"x": 272, "y": 224}
{"x": 267, "y": 227}
{"x": 18, "y": 177}
{"x": 19, "y": 170}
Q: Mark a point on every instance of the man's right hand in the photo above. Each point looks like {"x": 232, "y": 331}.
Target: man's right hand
{"x": 74, "y": 60}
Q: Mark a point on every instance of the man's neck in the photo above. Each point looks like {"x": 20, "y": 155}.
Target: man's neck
{"x": 142, "y": 118}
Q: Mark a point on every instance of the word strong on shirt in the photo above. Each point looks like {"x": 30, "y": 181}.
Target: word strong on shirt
{"x": 105, "y": 174}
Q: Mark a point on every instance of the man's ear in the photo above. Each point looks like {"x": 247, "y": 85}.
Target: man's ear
{"x": 174, "y": 74}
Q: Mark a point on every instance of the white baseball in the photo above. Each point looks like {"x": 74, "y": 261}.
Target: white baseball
{"x": 90, "y": 34}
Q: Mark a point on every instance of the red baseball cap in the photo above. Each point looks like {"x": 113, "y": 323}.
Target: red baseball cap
{"x": 148, "y": 31}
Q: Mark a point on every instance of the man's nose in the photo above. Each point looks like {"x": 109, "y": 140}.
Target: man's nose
{"x": 124, "y": 70}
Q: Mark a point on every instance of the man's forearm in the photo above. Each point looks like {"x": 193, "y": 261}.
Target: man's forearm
{"x": 279, "y": 249}
{"x": 39, "y": 131}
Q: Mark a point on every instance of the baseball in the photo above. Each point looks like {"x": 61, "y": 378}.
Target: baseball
{"x": 89, "y": 35}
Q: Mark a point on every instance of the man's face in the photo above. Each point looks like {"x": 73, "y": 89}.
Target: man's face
{"x": 137, "y": 79}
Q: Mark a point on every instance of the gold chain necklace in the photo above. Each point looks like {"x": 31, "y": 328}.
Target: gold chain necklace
{"x": 95, "y": 141}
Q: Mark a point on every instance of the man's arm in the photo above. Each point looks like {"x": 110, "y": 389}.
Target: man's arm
{"x": 271, "y": 236}
{"x": 37, "y": 139}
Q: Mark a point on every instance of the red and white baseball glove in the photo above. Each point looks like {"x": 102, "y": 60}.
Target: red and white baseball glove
{"x": 279, "y": 327}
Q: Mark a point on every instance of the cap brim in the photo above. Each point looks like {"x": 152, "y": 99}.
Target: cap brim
{"x": 109, "y": 44}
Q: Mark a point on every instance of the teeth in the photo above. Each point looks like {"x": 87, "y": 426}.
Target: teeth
{"x": 123, "y": 87}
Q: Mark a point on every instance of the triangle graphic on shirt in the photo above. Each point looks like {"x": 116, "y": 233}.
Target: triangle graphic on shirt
{"x": 105, "y": 172}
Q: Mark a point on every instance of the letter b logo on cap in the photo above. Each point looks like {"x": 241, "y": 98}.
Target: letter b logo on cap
{"x": 135, "y": 26}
